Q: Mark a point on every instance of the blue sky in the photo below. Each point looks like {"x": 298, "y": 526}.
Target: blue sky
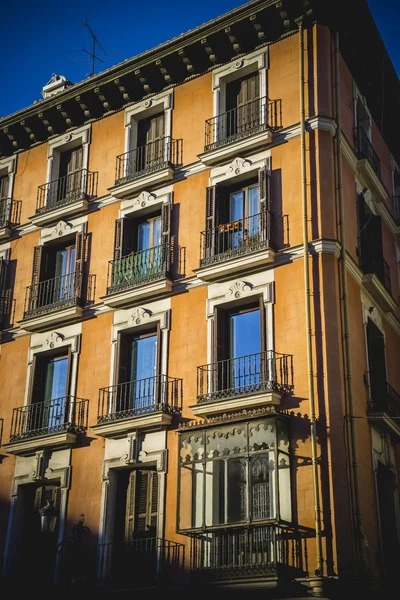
{"x": 38, "y": 40}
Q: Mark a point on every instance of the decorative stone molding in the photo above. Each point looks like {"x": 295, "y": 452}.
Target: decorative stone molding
{"x": 238, "y": 289}
{"x": 63, "y": 229}
{"x": 238, "y": 64}
{"x": 54, "y": 339}
{"x": 160, "y": 456}
{"x": 139, "y": 315}
{"x": 238, "y": 166}
{"x": 38, "y": 472}
{"x": 79, "y": 136}
{"x": 144, "y": 199}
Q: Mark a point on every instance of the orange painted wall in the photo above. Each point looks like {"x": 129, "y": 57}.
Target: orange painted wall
{"x": 350, "y": 208}
{"x": 189, "y": 215}
{"x": 346, "y": 101}
{"x": 93, "y": 373}
{"x": 31, "y": 172}
{"x": 108, "y": 139}
{"x": 193, "y": 104}
{"x": 283, "y": 78}
{"x": 22, "y": 254}
{"x": 13, "y": 359}
{"x": 323, "y": 71}
{"x": 101, "y": 225}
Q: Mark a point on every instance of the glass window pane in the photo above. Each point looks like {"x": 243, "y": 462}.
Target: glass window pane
{"x": 245, "y": 333}
{"x": 143, "y": 357}
{"x": 215, "y": 492}
{"x": 71, "y": 265}
{"x": 285, "y": 503}
{"x": 236, "y": 206}
{"x": 144, "y": 236}
{"x": 252, "y": 213}
{"x": 61, "y": 263}
{"x": 156, "y": 232}
{"x": 237, "y": 490}
{"x": 253, "y": 200}
{"x": 56, "y": 378}
{"x": 262, "y": 486}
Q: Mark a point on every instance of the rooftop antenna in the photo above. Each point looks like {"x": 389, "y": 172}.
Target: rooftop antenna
{"x": 93, "y": 53}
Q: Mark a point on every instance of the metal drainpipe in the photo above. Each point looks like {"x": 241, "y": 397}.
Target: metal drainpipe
{"x": 313, "y": 430}
{"x": 343, "y": 273}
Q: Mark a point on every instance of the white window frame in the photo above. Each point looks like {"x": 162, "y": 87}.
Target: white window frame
{"x": 8, "y": 167}
{"x": 358, "y": 97}
{"x": 146, "y": 202}
{"x": 237, "y": 293}
{"x": 236, "y": 69}
{"x": 62, "y": 143}
{"x": 152, "y": 106}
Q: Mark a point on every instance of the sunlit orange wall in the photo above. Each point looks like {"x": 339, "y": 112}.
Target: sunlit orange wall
{"x": 108, "y": 139}
{"x": 21, "y": 256}
{"x": 193, "y": 104}
{"x": 31, "y": 173}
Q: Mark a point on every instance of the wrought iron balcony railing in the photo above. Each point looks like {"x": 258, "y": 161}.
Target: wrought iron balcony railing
{"x": 241, "y": 122}
{"x": 57, "y": 293}
{"x": 138, "y": 268}
{"x": 10, "y": 212}
{"x": 387, "y": 400}
{"x": 248, "y": 551}
{"x": 364, "y": 149}
{"x": 254, "y": 373}
{"x": 154, "y": 156}
{"x": 66, "y": 190}
{"x": 144, "y": 396}
{"x": 52, "y": 416}
{"x": 396, "y": 209}
{"x": 139, "y": 562}
{"x": 387, "y": 282}
{"x": 239, "y": 237}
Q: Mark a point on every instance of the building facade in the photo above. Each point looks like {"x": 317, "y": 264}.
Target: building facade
{"x": 200, "y": 329}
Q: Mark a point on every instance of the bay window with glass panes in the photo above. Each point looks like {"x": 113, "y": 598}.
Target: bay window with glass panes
{"x": 237, "y": 474}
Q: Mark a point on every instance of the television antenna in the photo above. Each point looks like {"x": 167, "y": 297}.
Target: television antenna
{"x": 93, "y": 53}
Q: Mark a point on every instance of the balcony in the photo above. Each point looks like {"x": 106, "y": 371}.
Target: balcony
{"x": 65, "y": 197}
{"x": 145, "y": 403}
{"x": 138, "y": 275}
{"x": 241, "y": 129}
{"x": 140, "y": 563}
{"x": 385, "y": 407}
{"x": 259, "y": 552}
{"x": 57, "y": 301}
{"x": 378, "y": 283}
{"x": 10, "y": 214}
{"x": 396, "y": 209}
{"x": 50, "y": 424}
{"x": 245, "y": 382}
{"x": 233, "y": 247}
{"x": 368, "y": 165}
{"x": 147, "y": 165}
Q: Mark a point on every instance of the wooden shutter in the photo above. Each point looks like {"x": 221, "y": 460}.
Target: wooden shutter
{"x": 2, "y": 286}
{"x": 377, "y": 363}
{"x": 130, "y": 507}
{"x": 37, "y": 267}
{"x": 264, "y": 192}
{"x": 123, "y": 355}
{"x": 4, "y": 187}
{"x": 370, "y": 239}
{"x": 166, "y": 211}
{"x": 146, "y": 504}
{"x": 123, "y": 238}
{"x": 52, "y": 493}
{"x": 210, "y": 221}
{"x": 79, "y": 267}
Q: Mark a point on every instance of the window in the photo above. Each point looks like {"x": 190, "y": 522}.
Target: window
{"x": 50, "y": 391}
{"x": 242, "y": 104}
{"x": 138, "y": 358}
{"x": 150, "y": 143}
{"x": 370, "y": 243}
{"x": 142, "y": 248}
{"x": 237, "y": 218}
{"x": 228, "y": 474}
{"x": 57, "y": 273}
{"x": 239, "y": 343}
{"x": 4, "y": 184}
{"x": 377, "y": 366}
{"x": 70, "y": 177}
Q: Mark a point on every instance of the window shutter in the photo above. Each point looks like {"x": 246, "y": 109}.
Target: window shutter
{"x": 2, "y": 285}
{"x": 80, "y": 244}
{"x": 166, "y": 211}
{"x": 130, "y": 506}
{"x": 123, "y": 370}
{"x": 210, "y": 221}
{"x": 153, "y": 498}
{"x": 38, "y": 500}
{"x": 4, "y": 187}
{"x": 143, "y": 478}
{"x": 123, "y": 239}
{"x": 264, "y": 191}
{"x": 38, "y": 259}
